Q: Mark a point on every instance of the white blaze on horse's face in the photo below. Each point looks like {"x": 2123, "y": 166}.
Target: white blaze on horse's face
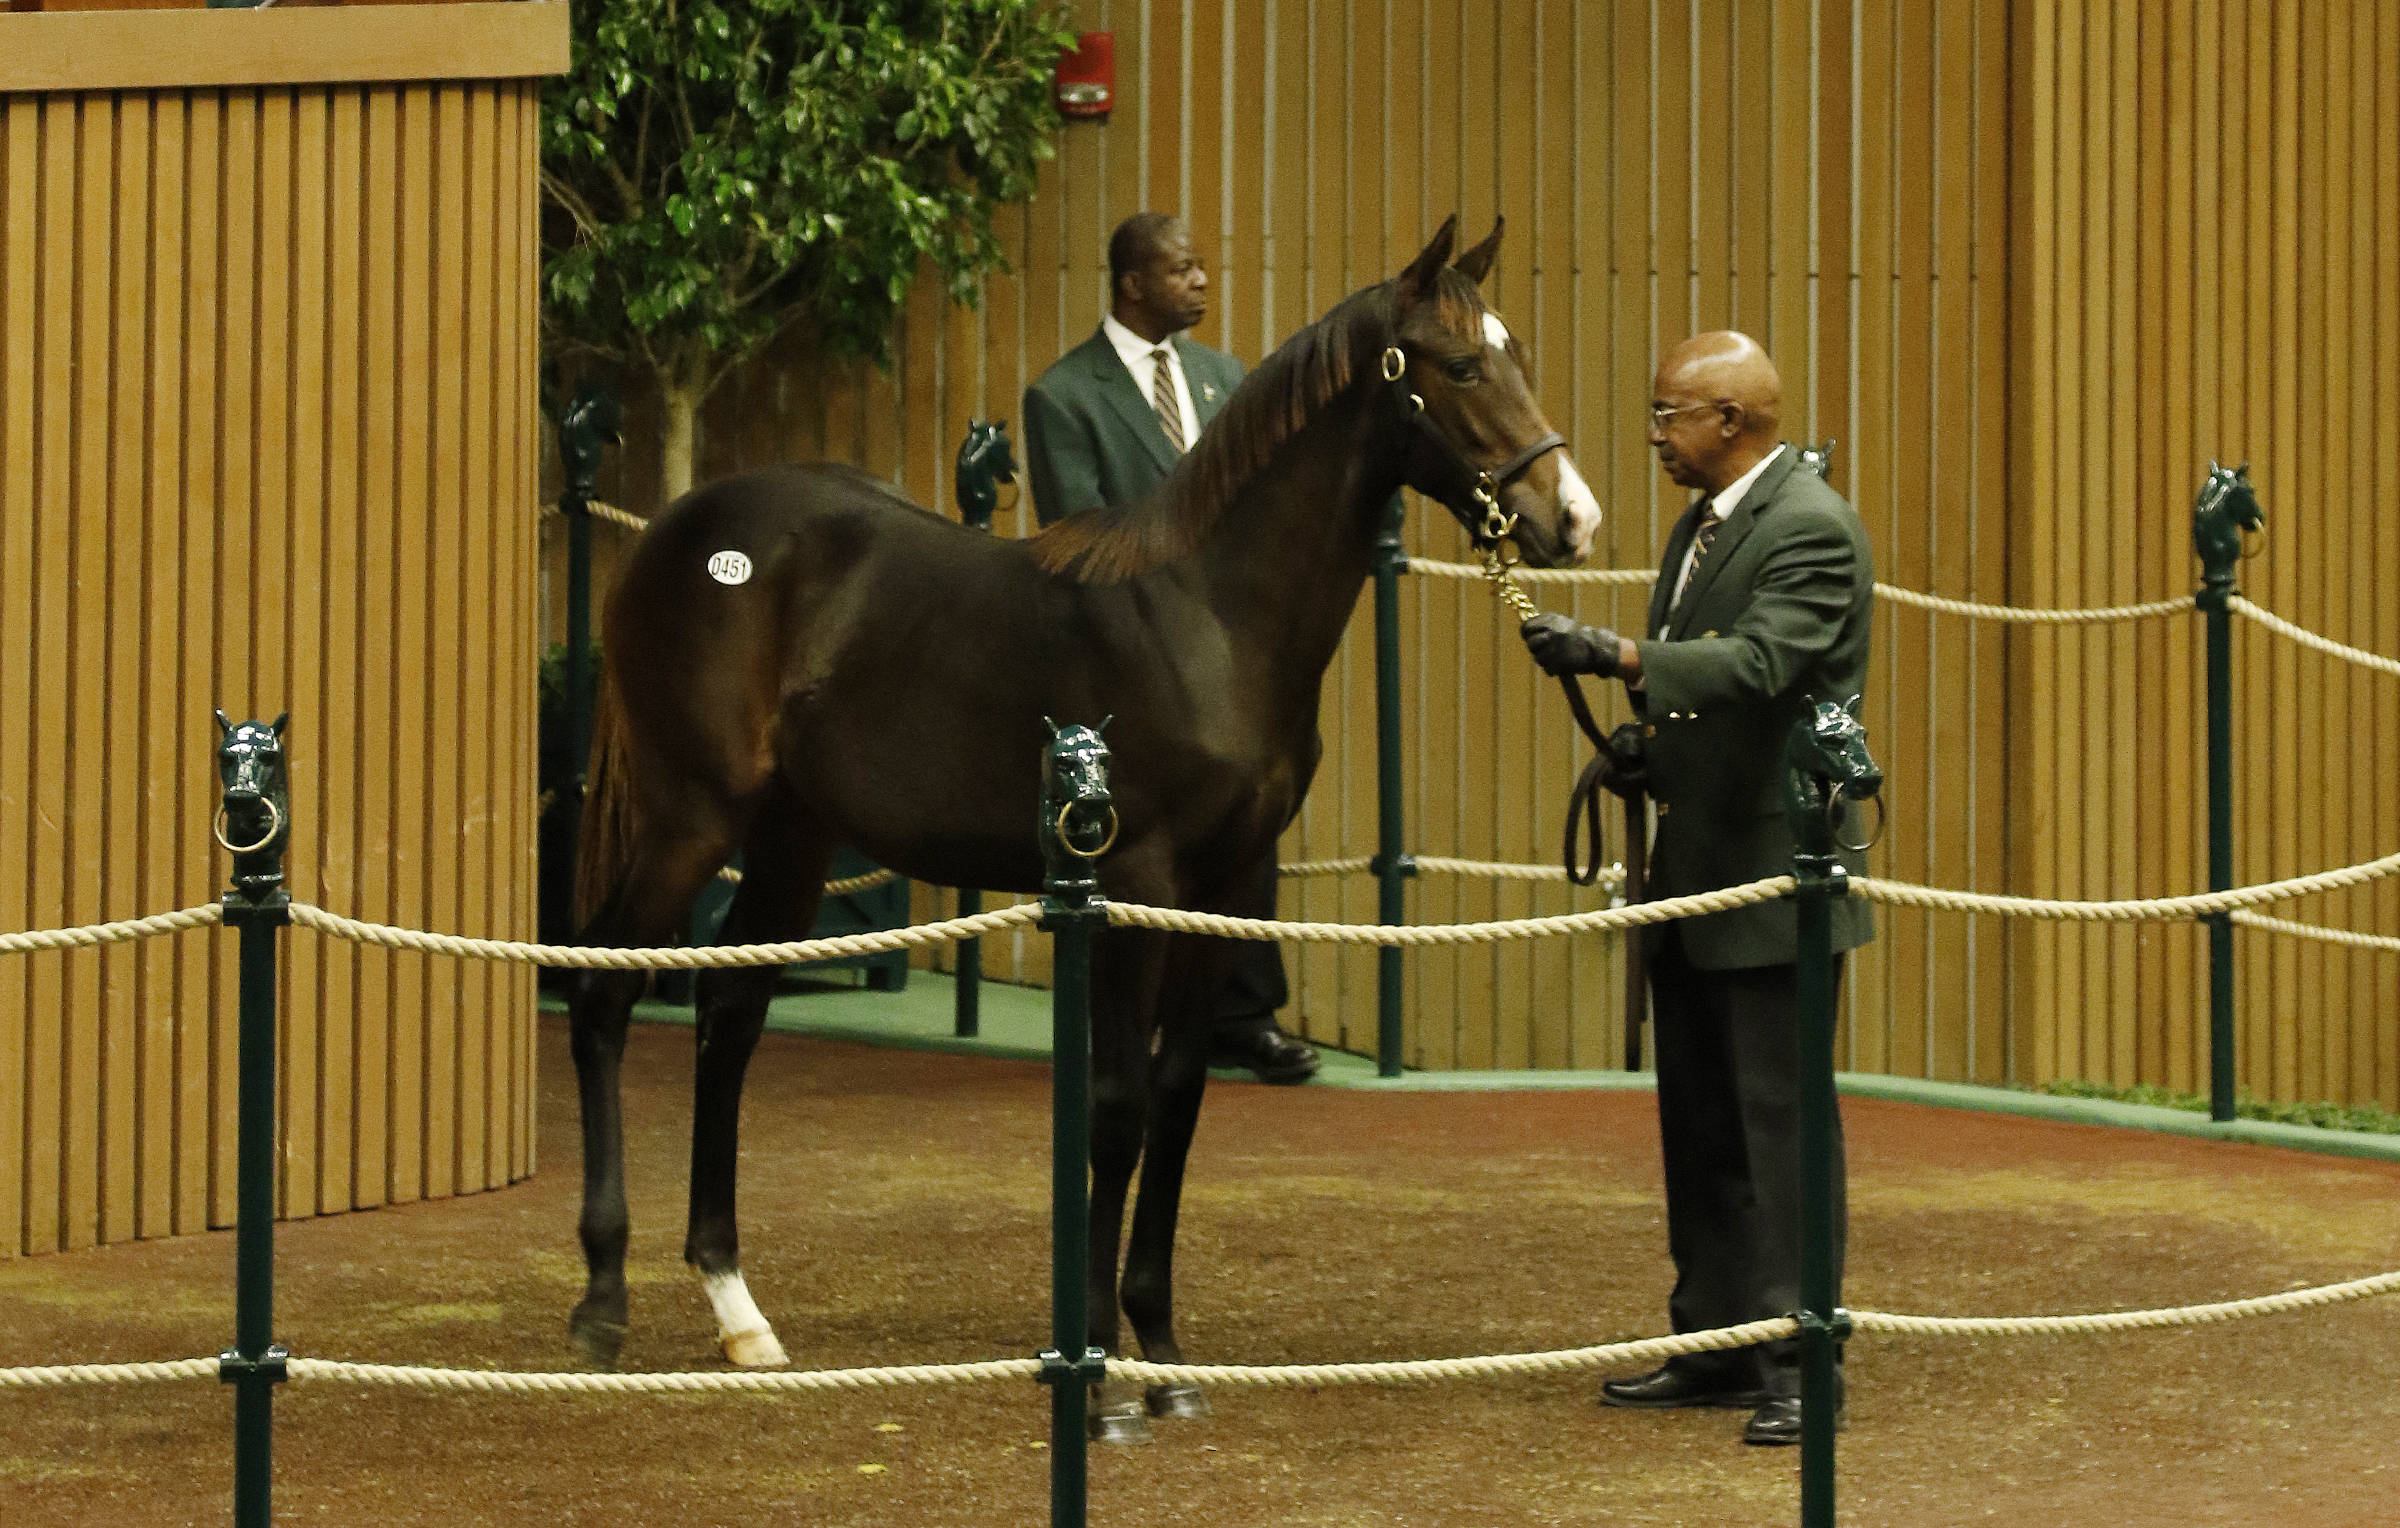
{"x": 1578, "y": 510}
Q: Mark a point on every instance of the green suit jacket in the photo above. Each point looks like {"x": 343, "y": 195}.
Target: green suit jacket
{"x": 1779, "y": 614}
{"x": 1090, "y": 435}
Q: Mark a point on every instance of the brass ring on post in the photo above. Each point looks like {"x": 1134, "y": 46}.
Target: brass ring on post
{"x": 1394, "y": 363}
{"x": 1833, "y": 809}
{"x": 1016, "y": 492}
{"x": 274, "y": 826}
{"x": 2253, "y": 542}
{"x": 1069, "y": 844}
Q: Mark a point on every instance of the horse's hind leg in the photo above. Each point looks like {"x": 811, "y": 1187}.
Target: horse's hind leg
{"x": 646, "y": 909}
{"x": 783, "y": 879}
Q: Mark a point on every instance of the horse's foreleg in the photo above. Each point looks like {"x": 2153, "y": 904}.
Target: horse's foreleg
{"x": 782, "y": 883}
{"x": 1178, "y": 1078}
{"x": 1127, "y": 965}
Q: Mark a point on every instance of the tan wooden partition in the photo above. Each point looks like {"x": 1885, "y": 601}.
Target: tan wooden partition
{"x": 267, "y": 442}
{"x": 2212, "y": 211}
{"x": 1893, "y": 197}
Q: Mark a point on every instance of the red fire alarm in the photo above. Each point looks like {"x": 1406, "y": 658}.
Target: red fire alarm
{"x": 1087, "y": 77}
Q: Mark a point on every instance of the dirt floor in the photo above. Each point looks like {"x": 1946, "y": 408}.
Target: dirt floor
{"x": 895, "y": 1211}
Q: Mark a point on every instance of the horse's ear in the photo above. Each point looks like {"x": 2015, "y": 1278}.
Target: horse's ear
{"x": 276, "y": 726}
{"x": 1416, "y": 283}
{"x": 224, "y": 724}
{"x": 1853, "y": 704}
{"x": 1048, "y": 723}
{"x": 1104, "y": 721}
{"x": 1476, "y": 263}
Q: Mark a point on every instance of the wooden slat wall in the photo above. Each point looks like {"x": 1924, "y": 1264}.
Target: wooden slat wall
{"x": 260, "y": 352}
{"x": 2026, "y": 266}
{"x": 2210, "y": 212}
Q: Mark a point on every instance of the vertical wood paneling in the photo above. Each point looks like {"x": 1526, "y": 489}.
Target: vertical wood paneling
{"x": 226, "y": 447}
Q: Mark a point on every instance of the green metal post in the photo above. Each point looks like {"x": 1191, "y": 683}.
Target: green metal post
{"x": 1072, "y": 909}
{"x": 257, "y": 905}
{"x": 2220, "y": 856}
{"x": 2224, "y": 509}
{"x": 1820, "y": 745}
{"x": 969, "y": 990}
{"x": 588, "y": 422}
{"x": 1392, "y": 865}
{"x": 1821, "y": 1323}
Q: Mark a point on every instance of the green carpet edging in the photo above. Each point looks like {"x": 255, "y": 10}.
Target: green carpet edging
{"x": 2100, "y": 1111}
{"x": 1015, "y": 1026}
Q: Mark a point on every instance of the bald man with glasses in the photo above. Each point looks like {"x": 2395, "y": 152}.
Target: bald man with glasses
{"x": 1764, "y": 603}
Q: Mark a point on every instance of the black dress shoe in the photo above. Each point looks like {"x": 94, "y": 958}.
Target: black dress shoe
{"x": 1662, "y": 1388}
{"x": 1777, "y": 1422}
{"x": 1264, "y": 1049}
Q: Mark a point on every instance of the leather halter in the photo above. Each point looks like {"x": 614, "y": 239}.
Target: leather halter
{"x": 1470, "y": 492}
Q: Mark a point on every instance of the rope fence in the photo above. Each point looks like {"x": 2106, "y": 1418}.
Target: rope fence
{"x": 2021, "y": 615}
{"x": 1178, "y": 920}
{"x": 1561, "y": 1361}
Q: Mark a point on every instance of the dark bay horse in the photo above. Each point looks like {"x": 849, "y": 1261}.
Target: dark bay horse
{"x": 798, "y": 657}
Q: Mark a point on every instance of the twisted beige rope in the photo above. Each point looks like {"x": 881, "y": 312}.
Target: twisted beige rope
{"x": 595, "y": 508}
{"x": 2120, "y": 1321}
{"x": 1647, "y": 1350}
{"x": 412, "y": 1377}
{"x": 692, "y": 958}
{"x": 207, "y": 915}
{"x": 1300, "y": 868}
{"x": 1433, "y": 569}
{"x": 1970, "y": 608}
{"x": 2145, "y": 909}
{"x": 2307, "y": 638}
{"x": 1175, "y": 920}
{"x": 1644, "y": 1350}
{"x": 2313, "y": 931}
{"x": 1611, "y": 877}
{"x": 841, "y": 888}
{"x": 58, "y": 1375}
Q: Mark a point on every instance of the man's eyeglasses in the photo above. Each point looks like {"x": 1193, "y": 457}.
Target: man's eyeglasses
{"x": 1660, "y": 416}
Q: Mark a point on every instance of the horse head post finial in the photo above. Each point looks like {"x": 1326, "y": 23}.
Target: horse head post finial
{"x": 254, "y": 820}
{"x": 2227, "y": 507}
{"x": 1826, "y": 763}
{"x": 1078, "y": 819}
{"x": 985, "y": 461}
{"x": 589, "y": 421}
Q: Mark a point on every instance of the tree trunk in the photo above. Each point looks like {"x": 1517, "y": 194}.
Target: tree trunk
{"x": 681, "y": 404}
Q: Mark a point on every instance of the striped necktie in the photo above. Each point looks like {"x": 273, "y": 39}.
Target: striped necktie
{"x": 1162, "y": 398}
{"x": 1700, "y": 543}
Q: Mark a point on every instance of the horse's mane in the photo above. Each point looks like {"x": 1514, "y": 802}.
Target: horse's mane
{"x": 1117, "y": 541}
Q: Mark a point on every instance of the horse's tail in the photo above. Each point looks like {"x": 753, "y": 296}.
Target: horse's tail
{"x": 603, "y": 845}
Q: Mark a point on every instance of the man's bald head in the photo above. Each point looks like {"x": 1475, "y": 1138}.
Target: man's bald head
{"x": 1716, "y": 406}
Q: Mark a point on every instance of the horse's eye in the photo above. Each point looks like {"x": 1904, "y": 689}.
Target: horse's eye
{"x": 1466, "y": 370}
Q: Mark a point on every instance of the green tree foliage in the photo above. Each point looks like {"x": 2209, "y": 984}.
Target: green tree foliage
{"x": 719, "y": 170}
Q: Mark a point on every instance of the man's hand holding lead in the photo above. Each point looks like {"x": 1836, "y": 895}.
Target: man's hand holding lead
{"x": 1562, "y": 645}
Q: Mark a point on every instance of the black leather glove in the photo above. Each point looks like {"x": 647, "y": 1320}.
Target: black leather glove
{"x": 1562, "y": 646}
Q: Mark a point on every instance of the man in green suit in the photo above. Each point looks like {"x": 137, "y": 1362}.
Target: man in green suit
{"x": 1105, "y": 425}
{"x": 1763, "y": 604}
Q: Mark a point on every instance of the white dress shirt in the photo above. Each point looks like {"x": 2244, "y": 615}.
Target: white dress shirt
{"x": 1723, "y": 504}
{"x": 1135, "y": 351}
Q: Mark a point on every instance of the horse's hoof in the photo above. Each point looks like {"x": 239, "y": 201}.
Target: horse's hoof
{"x": 1118, "y": 1422}
{"x": 755, "y": 1349}
{"x": 1176, "y": 1401}
{"x": 598, "y": 1340}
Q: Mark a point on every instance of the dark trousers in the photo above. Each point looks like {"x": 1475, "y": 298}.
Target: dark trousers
{"x": 1252, "y": 985}
{"x": 1729, "y": 1123}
